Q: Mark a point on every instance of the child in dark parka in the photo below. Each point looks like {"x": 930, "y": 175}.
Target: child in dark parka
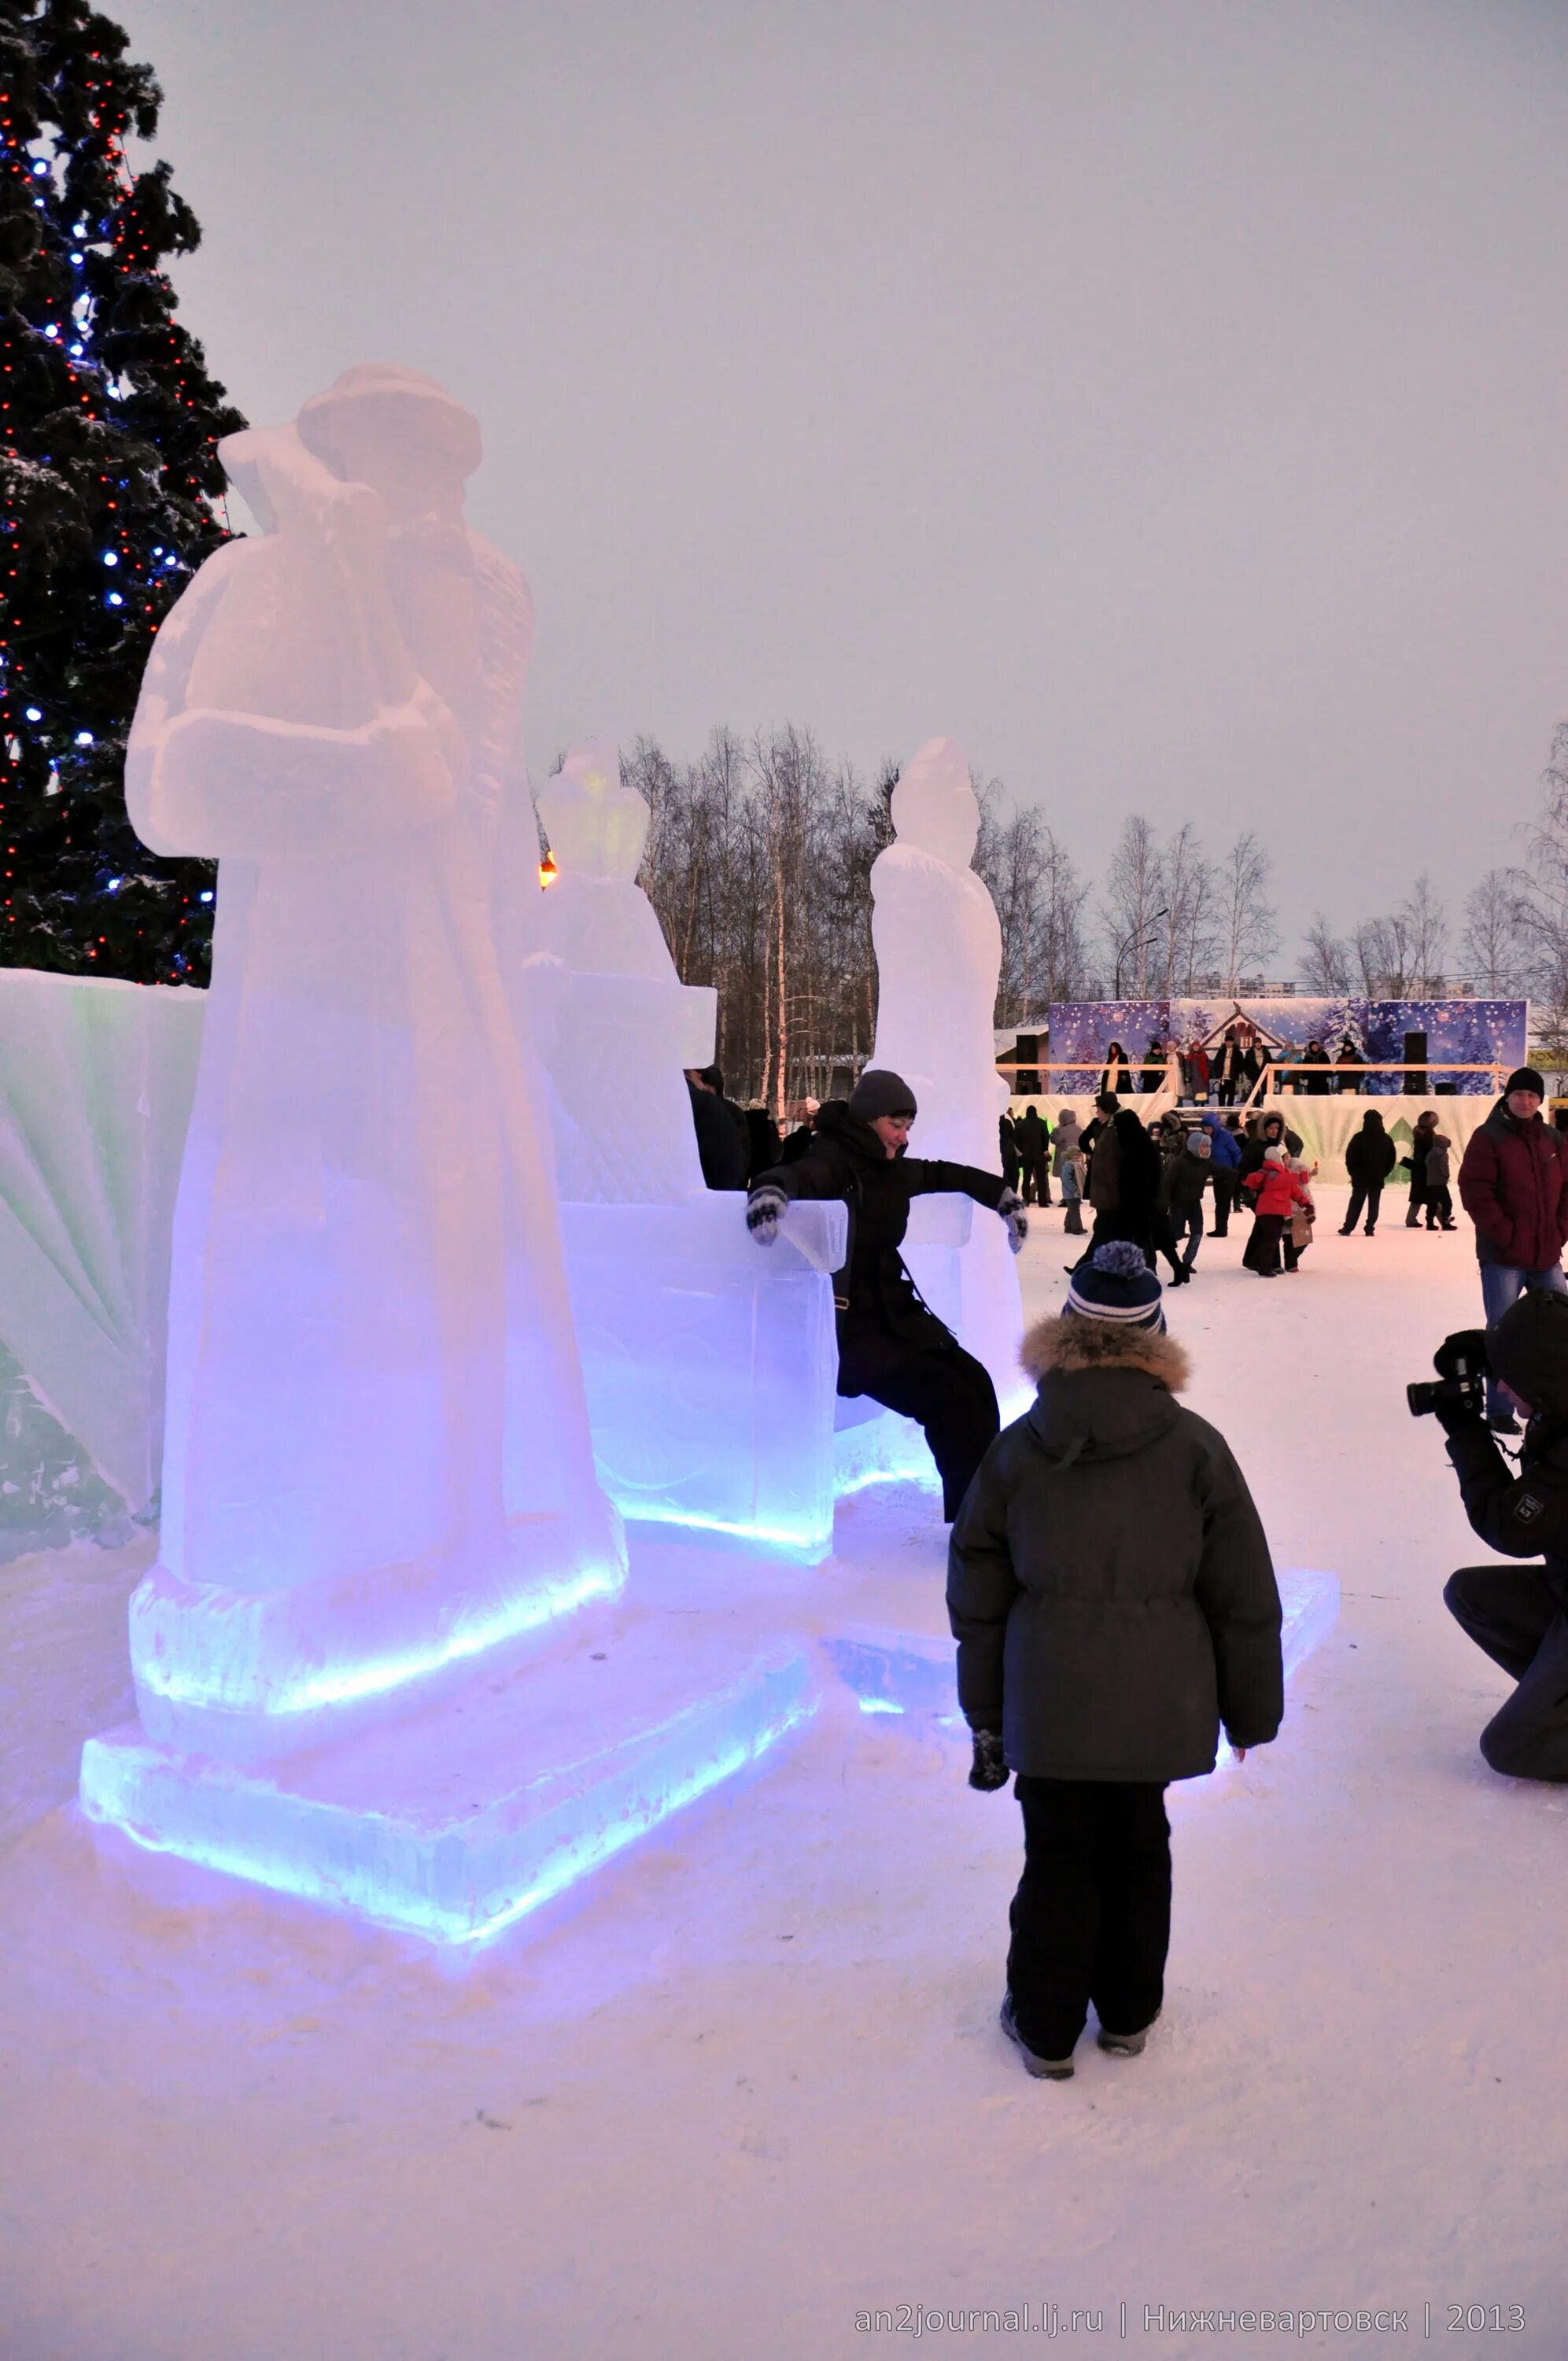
{"x": 1113, "y": 1598}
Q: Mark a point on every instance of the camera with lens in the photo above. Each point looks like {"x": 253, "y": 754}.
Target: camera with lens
{"x": 1463, "y": 1366}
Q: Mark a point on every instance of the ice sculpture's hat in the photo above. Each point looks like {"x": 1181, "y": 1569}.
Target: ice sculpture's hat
{"x": 377, "y": 407}
{"x": 595, "y": 826}
{"x": 934, "y": 806}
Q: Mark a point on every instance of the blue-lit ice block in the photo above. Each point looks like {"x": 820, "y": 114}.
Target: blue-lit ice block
{"x": 454, "y": 1823}
{"x": 711, "y": 1364}
{"x": 894, "y": 1672}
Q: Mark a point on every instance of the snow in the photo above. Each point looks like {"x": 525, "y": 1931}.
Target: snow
{"x": 748, "y": 2079}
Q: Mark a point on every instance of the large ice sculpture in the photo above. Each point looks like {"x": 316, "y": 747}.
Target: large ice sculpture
{"x": 939, "y": 954}
{"x": 617, "y": 1025}
{"x": 360, "y": 1488}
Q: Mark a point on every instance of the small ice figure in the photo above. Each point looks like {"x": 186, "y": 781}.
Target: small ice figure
{"x": 939, "y": 954}
{"x": 361, "y": 1484}
{"x": 617, "y": 1027}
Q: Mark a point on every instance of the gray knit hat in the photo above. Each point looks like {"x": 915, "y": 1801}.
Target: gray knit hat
{"x": 879, "y": 1092}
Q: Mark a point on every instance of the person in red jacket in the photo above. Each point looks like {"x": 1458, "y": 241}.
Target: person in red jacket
{"x": 1279, "y": 1191}
{"x": 1513, "y": 1183}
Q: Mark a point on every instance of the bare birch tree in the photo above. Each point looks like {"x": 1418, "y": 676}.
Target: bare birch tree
{"x": 1249, "y": 919}
{"x": 1134, "y": 903}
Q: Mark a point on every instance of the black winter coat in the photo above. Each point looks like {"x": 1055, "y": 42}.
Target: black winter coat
{"x": 1108, "y": 1584}
{"x": 1522, "y": 1511}
{"x": 1272, "y": 1132}
{"x": 1186, "y": 1178}
{"x": 847, "y": 1160}
{"x": 723, "y": 1143}
{"x": 1033, "y": 1139}
{"x": 1369, "y": 1156}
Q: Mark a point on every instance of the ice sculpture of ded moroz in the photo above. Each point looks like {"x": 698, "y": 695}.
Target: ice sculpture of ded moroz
{"x": 361, "y": 1485}
{"x": 939, "y": 955}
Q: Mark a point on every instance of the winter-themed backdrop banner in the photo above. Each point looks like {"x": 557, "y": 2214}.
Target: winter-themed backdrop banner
{"x": 1465, "y": 1032}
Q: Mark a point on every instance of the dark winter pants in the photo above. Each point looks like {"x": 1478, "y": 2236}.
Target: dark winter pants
{"x": 1368, "y": 1193}
{"x": 1440, "y": 1204}
{"x": 1262, "y": 1247}
{"x": 1511, "y": 1612}
{"x": 1036, "y": 1182}
{"x": 941, "y": 1386}
{"x": 1091, "y": 1917}
{"x": 1224, "y": 1198}
{"x": 1186, "y": 1220}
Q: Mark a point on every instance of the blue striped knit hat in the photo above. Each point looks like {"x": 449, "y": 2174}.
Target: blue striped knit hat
{"x": 1117, "y": 1286}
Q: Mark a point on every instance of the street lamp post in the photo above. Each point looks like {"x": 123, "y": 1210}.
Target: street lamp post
{"x": 1143, "y": 933}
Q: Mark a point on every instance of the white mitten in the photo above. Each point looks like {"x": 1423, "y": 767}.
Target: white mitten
{"x": 1010, "y": 1208}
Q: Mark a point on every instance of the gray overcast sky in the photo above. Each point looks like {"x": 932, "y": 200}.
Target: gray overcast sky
{"x": 1165, "y": 398}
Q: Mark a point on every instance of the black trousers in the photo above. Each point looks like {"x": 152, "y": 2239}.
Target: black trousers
{"x": 1036, "y": 1182}
{"x": 1368, "y": 1193}
{"x": 1224, "y": 1198}
{"x": 1510, "y": 1611}
{"x": 1440, "y": 1202}
{"x": 1090, "y": 1919}
{"x": 941, "y": 1386}
{"x": 1262, "y": 1251}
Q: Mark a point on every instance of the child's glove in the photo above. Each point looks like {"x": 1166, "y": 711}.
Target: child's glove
{"x": 988, "y": 1771}
{"x": 764, "y": 1210}
{"x": 1009, "y": 1207}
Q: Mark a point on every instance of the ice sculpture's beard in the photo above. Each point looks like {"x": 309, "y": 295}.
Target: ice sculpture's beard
{"x": 430, "y": 565}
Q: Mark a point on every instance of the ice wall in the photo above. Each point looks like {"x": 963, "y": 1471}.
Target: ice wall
{"x": 939, "y": 954}
{"x": 96, "y": 1079}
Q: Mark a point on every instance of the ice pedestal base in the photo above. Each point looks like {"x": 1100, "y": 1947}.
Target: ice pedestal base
{"x": 453, "y": 1823}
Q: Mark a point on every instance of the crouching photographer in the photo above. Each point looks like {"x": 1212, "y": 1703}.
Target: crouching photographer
{"x": 1518, "y": 1614}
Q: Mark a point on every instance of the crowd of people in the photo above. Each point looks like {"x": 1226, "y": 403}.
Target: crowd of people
{"x": 1227, "y": 1071}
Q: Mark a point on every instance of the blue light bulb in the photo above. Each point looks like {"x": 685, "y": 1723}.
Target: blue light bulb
{"x": 34, "y": 713}
{"x": 84, "y": 737}
{"x": 111, "y": 558}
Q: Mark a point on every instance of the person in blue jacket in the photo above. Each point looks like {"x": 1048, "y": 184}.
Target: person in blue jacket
{"x": 1225, "y": 1156}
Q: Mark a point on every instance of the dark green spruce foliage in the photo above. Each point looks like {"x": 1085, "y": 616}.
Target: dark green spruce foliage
{"x": 108, "y": 480}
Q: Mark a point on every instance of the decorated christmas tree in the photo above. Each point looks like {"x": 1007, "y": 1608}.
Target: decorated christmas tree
{"x": 110, "y": 494}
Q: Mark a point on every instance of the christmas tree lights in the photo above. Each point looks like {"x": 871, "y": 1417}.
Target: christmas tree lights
{"x": 109, "y": 423}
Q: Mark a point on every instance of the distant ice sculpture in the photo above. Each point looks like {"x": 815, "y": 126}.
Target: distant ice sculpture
{"x": 360, "y": 1485}
{"x": 617, "y": 1025}
{"x": 939, "y": 954}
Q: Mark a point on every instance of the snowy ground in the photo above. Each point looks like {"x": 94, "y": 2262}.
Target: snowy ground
{"x": 750, "y": 2082}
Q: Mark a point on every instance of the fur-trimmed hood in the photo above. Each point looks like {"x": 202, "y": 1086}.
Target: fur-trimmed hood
{"x": 1069, "y": 1342}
